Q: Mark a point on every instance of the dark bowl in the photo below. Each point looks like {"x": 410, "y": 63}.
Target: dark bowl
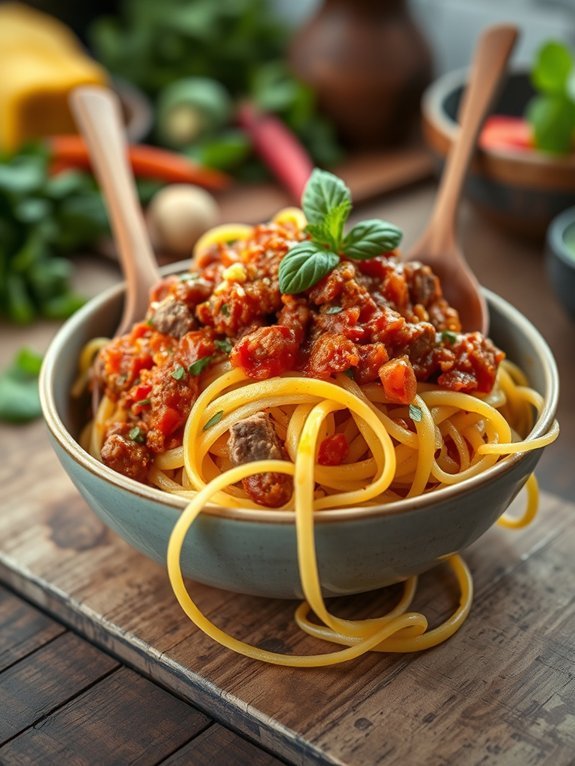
{"x": 522, "y": 191}
{"x": 560, "y": 258}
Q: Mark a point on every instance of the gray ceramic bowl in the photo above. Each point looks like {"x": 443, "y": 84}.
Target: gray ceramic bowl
{"x": 560, "y": 258}
{"x": 254, "y": 551}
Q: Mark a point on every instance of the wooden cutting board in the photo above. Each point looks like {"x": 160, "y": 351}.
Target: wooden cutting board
{"x": 502, "y": 690}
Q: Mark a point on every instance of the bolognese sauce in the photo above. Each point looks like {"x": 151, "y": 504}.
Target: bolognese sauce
{"x": 378, "y": 321}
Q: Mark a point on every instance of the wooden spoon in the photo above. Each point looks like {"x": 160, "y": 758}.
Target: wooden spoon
{"x": 98, "y": 115}
{"x": 438, "y": 245}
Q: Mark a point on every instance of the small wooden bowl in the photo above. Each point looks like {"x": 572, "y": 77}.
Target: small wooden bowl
{"x": 522, "y": 191}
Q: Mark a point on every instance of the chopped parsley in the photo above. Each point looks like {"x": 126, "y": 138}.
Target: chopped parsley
{"x": 225, "y": 309}
{"x": 214, "y": 420}
{"x": 224, "y": 345}
{"x": 136, "y": 435}
{"x": 449, "y": 337}
{"x": 199, "y": 365}
{"x": 143, "y": 402}
{"x": 334, "y": 310}
{"x": 178, "y": 373}
{"x": 415, "y": 413}
{"x": 189, "y": 276}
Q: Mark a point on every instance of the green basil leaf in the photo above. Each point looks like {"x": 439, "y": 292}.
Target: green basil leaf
{"x": 214, "y": 420}
{"x": 552, "y": 67}
{"x": 553, "y": 121}
{"x": 370, "y": 238}
{"x": 303, "y": 266}
{"x": 224, "y": 345}
{"x": 136, "y": 435}
{"x": 415, "y": 413}
{"x": 449, "y": 337}
{"x": 178, "y": 373}
{"x": 199, "y": 365}
{"x": 323, "y": 193}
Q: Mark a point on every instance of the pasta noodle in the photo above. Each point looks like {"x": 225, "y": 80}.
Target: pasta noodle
{"x": 395, "y": 452}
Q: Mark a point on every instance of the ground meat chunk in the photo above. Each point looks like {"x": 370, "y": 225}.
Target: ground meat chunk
{"x": 252, "y": 439}
{"x": 331, "y": 353}
{"x": 171, "y": 317}
{"x": 122, "y": 453}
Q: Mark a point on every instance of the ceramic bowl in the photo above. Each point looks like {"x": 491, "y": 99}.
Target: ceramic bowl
{"x": 560, "y": 258}
{"x": 522, "y": 191}
{"x": 254, "y": 551}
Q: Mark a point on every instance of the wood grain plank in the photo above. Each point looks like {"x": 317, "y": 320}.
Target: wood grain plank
{"x": 33, "y": 687}
{"x": 23, "y": 628}
{"x": 123, "y": 719}
{"x": 218, "y": 745}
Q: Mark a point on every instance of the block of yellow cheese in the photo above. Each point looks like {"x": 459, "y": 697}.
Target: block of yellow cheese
{"x": 41, "y": 61}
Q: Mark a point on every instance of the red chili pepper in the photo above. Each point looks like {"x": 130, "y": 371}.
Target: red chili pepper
{"x": 278, "y": 147}
{"x": 70, "y": 151}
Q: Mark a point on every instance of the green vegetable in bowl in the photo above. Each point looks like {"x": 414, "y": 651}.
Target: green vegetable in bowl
{"x": 551, "y": 112}
{"x": 190, "y": 108}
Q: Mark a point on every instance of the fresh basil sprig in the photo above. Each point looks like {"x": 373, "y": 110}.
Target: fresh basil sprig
{"x": 326, "y": 203}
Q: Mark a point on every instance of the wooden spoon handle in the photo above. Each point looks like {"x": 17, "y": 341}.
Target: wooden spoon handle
{"x": 492, "y": 53}
{"x": 97, "y": 112}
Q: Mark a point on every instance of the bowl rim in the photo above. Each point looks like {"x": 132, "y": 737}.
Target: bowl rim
{"x": 434, "y": 97}
{"x": 48, "y": 375}
{"x": 556, "y": 237}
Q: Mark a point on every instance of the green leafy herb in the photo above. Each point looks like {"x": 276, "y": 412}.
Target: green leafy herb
{"x": 144, "y": 402}
{"x": 370, "y": 238}
{"x": 178, "y": 373}
{"x": 199, "y": 365}
{"x": 224, "y": 345}
{"x": 189, "y": 276}
{"x": 551, "y": 112}
{"x": 449, "y": 337}
{"x": 19, "y": 399}
{"x": 136, "y": 435}
{"x": 326, "y": 202}
{"x": 214, "y": 420}
{"x": 334, "y": 310}
{"x": 415, "y": 413}
{"x": 225, "y": 309}
{"x": 303, "y": 266}
{"x": 349, "y": 373}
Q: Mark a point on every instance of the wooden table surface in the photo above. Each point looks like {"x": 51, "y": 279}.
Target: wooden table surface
{"x": 501, "y": 691}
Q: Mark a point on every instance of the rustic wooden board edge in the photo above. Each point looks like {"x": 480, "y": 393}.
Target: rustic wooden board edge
{"x": 232, "y": 713}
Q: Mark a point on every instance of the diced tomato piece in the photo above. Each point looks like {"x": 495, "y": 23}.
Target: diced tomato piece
{"x": 266, "y": 352}
{"x": 398, "y": 380}
{"x": 168, "y": 420}
{"x": 333, "y": 450}
{"x": 504, "y": 132}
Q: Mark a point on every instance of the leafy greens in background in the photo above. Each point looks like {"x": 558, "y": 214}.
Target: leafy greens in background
{"x": 551, "y": 112}
{"x": 238, "y": 43}
{"x": 19, "y": 399}
{"x": 43, "y": 218}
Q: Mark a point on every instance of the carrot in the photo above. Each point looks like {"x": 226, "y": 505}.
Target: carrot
{"x": 278, "y": 147}
{"x": 398, "y": 380}
{"x": 70, "y": 151}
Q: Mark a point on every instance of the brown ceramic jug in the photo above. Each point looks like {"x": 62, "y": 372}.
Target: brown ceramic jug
{"x": 368, "y": 65}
